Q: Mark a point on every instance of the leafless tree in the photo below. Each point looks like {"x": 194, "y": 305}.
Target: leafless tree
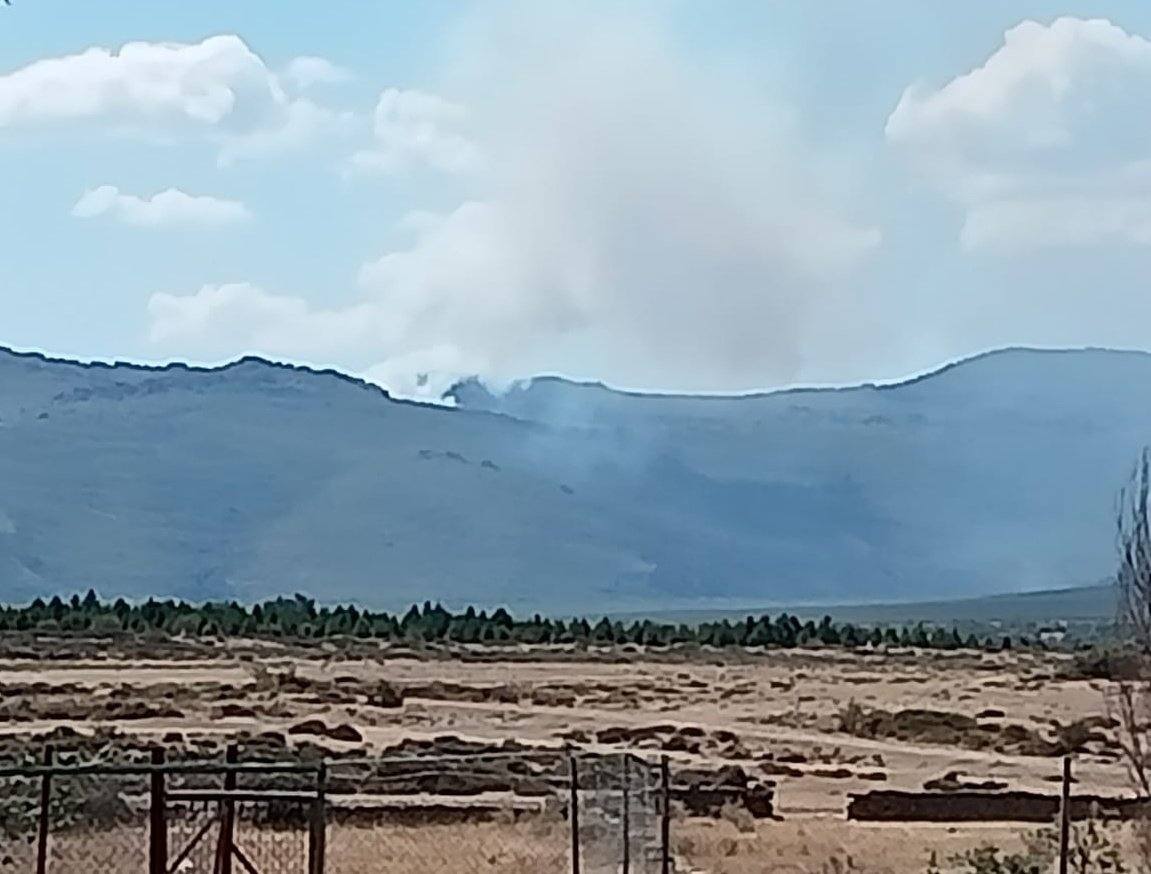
{"x": 1129, "y": 698}
{"x": 1127, "y": 704}
{"x": 1133, "y": 579}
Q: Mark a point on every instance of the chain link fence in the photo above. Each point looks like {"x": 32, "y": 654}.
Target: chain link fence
{"x": 517, "y": 813}
{"x": 72, "y": 824}
{"x": 462, "y": 814}
{"x": 620, "y": 799}
{"x": 193, "y": 836}
{"x": 19, "y": 814}
{"x": 512, "y": 813}
{"x": 219, "y": 836}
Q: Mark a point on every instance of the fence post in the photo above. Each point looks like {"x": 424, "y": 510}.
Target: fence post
{"x": 665, "y": 816}
{"x": 573, "y": 816}
{"x": 45, "y": 823}
{"x": 626, "y": 813}
{"x": 158, "y": 821}
{"x": 318, "y": 823}
{"x": 1065, "y": 816}
{"x": 224, "y": 847}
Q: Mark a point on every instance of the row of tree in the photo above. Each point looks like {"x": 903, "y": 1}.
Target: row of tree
{"x": 301, "y": 618}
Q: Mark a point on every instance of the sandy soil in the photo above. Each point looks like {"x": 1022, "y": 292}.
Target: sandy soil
{"x": 778, "y": 715}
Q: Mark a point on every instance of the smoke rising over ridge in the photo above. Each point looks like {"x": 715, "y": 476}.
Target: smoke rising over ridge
{"x": 627, "y": 215}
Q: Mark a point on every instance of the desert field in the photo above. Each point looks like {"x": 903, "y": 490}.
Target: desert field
{"x": 820, "y": 725}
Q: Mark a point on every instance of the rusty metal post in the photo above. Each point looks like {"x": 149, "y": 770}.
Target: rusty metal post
{"x": 227, "y": 841}
{"x": 1065, "y": 816}
{"x": 665, "y": 816}
{"x": 158, "y": 820}
{"x": 318, "y": 823}
{"x": 45, "y": 822}
{"x": 625, "y": 813}
{"x": 573, "y": 813}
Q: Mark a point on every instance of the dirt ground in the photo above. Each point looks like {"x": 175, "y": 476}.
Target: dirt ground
{"x": 822, "y": 724}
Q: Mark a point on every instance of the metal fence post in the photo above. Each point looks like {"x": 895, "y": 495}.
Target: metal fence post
{"x": 45, "y": 822}
{"x": 224, "y": 848}
{"x": 1065, "y": 816}
{"x": 318, "y": 823}
{"x": 626, "y": 813}
{"x": 158, "y": 820}
{"x": 573, "y": 816}
{"x": 665, "y": 816}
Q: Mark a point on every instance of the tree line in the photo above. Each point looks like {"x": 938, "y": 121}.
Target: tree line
{"x": 301, "y": 618}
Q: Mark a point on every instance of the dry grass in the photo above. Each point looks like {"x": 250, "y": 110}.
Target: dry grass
{"x": 526, "y": 847}
{"x": 818, "y": 846}
{"x": 471, "y": 848}
{"x": 540, "y": 846}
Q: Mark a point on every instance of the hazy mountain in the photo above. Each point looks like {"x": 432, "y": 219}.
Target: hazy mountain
{"x": 1095, "y": 606}
{"x": 997, "y": 474}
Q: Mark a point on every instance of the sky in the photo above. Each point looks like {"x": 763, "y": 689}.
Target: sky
{"x": 715, "y": 197}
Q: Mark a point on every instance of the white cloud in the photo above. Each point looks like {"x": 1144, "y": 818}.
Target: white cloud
{"x": 413, "y": 128}
{"x": 1047, "y": 143}
{"x": 635, "y": 218}
{"x": 169, "y": 207}
{"x": 221, "y": 321}
{"x": 307, "y": 71}
{"x": 303, "y": 124}
{"x": 218, "y": 89}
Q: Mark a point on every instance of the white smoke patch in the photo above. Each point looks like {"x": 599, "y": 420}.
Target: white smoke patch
{"x": 636, "y": 217}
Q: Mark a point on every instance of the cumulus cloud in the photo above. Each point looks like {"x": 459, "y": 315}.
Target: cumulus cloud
{"x": 218, "y": 88}
{"x": 416, "y": 128}
{"x": 220, "y": 321}
{"x": 308, "y": 70}
{"x": 635, "y": 217}
{"x": 1046, "y": 144}
{"x": 169, "y": 207}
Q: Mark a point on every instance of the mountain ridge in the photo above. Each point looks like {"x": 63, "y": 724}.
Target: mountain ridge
{"x": 252, "y": 358}
{"x": 996, "y": 473}
{"x": 1095, "y": 604}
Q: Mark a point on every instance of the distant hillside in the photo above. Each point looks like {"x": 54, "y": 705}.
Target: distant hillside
{"x": 1081, "y": 604}
{"x": 994, "y": 475}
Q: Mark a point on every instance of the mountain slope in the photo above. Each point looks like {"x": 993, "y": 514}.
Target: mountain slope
{"x": 997, "y": 474}
{"x": 1083, "y": 606}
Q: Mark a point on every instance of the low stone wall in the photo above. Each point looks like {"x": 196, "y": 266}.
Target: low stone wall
{"x": 897, "y": 806}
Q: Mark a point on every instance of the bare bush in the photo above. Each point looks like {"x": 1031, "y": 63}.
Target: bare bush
{"x": 1133, "y": 578}
{"x": 1128, "y": 701}
{"x": 1093, "y": 850}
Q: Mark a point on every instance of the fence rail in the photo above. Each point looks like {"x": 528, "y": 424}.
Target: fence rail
{"x": 587, "y": 813}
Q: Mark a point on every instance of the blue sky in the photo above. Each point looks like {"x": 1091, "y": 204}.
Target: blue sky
{"x": 667, "y": 195}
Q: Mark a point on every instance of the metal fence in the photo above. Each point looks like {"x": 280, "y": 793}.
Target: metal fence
{"x": 619, "y": 801}
{"x": 517, "y": 813}
{"x": 62, "y": 817}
